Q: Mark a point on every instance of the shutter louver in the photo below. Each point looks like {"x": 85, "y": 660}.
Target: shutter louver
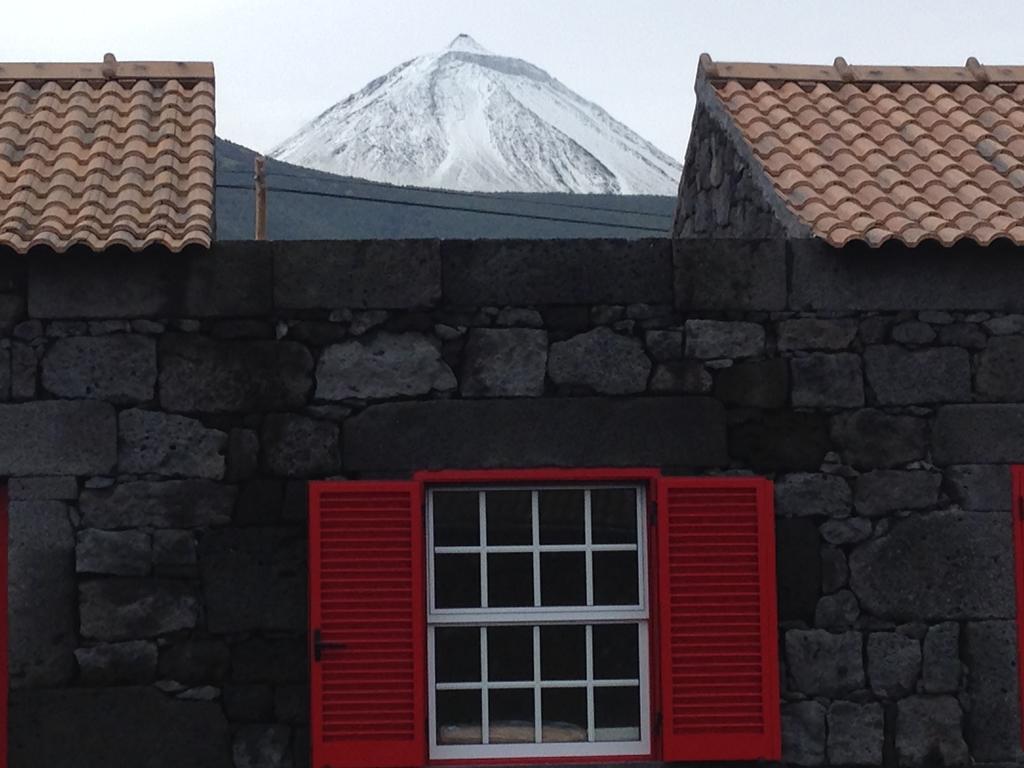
{"x": 367, "y": 625}
{"x": 1018, "y": 552}
{"x": 717, "y": 614}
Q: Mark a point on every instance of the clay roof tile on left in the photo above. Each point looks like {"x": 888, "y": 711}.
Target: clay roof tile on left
{"x": 106, "y": 154}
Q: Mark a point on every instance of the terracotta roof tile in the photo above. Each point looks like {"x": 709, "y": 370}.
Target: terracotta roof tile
{"x": 879, "y": 153}
{"x": 119, "y": 153}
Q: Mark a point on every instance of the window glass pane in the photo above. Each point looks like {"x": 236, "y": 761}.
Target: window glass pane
{"x": 617, "y": 714}
{"x": 457, "y": 654}
{"x": 457, "y": 581}
{"x": 561, "y": 517}
{"x": 563, "y": 653}
{"x": 511, "y": 716}
{"x": 563, "y": 578}
{"x": 509, "y": 517}
{"x": 456, "y": 518}
{"x": 510, "y": 653}
{"x": 563, "y": 714}
{"x": 616, "y": 652}
{"x": 615, "y": 578}
{"x": 458, "y": 717}
{"x": 509, "y": 579}
{"x": 613, "y": 515}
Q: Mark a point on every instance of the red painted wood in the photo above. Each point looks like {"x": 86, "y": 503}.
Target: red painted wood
{"x": 1018, "y": 548}
{"x": 538, "y": 475}
{"x": 3, "y": 627}
{"x": 367, "y": 593}
{"x": 718, "y": 622}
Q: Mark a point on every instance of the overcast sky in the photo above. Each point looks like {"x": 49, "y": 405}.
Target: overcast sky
{"x": 281, "y": 63}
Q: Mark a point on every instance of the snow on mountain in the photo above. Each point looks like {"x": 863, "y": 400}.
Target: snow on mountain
{"x": 468, "y": 119}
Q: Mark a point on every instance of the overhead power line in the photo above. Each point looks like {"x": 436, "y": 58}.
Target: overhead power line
{"x": 437, "y": 206}
{"x": 458, "y": 193}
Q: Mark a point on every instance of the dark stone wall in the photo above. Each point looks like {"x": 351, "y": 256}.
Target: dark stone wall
{"x": 718, "y": 194}
{"x": 162, "y": 414}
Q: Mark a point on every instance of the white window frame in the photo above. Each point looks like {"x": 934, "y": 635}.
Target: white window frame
{"x": 638, "y": 614}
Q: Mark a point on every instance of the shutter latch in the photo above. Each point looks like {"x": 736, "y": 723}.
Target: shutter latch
{"x": 319, "y": 646}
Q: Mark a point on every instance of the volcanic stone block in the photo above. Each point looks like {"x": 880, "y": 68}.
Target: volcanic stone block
{"x": 39, "y": 488}
{"x": 827, "y": 381}
{"x": 195, "y": 662}
{"x": 230, "y": 280}
{"x": 835, "y": 571}
{"x": 297, "y": 446}
{"x": 532, "y": 272}
{"x": 165, "y": 504}
{"x": 894, "y": 664}
{"x": 941, "y": 661}
{"x": 261, "y": 746}
{"x": 128, "y": 609}
{"x": 566, "y": 432}
{"x": 890, "y": 490}
{"x": 367, "y": 274}
{"x": 815, "y": 333}
{"x": 781, "y": 441}
{"x": 243, "y": 453}
{"x": 279, "y": 661}
{"x": 967, "y": 335}
{"x": 837, "y": 612}
{"x": 57, "y": 437}
{"x": 761, "y": 384}
{"x": 24, "y": 370}
{"x": 993, "y": 722}
{"x": 808, "y": 493}
{"x": 913, "y": 332}
{"x": 173, "y": 549}
{"x": 201, "y": 375}
{"x": 508, "y": 362}
{"x": 664, "y": 346}
{"x": 713, "y": 339}
{"x": 846, "y": 531}
{"x": 979, "y": 434}
{"x": 158, "y": 443}
{"x": 980, "y": 487}
{"x": 687, "y": 377}
{"x": 730, "y": 274}
{"x": 929, "y": 732}
{"x": 872, "y": 439}
{"x": 131, "y": 726}
{"x": 600, "y": 361}
{"x": 388, "y": 365}
{"x": 803, "y": 733}
{"x": 901, "y": 377}
{"x": 855, "y": 733}
{"x": 967, "y": 559}
{"x": 1000, "y": 373}
{"x": 41, "y": 545}
{"x": 114, "y": 553}
{"x": 927, "y": 277}
{"x": 253, "y": 579}
{"x": 120, "y": 368}
{"x": 248, "y": 703}
{"x": 133, "y": 661}
{"x": 824, "y": 664}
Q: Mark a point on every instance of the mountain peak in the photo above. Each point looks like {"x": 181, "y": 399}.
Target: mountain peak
{"x": 467, "y": 119}
{"x": 464, "y": 42}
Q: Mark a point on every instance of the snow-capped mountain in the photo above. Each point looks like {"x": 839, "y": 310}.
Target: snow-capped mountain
{"x": 468, "y": 119}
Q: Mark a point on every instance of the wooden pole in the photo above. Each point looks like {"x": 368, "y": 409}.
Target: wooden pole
{"x": 260, "y": 180}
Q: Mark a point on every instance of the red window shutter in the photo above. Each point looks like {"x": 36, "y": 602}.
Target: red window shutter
{"x": 367, "y": 625}
{"x": 1018, "y": 551}
{"x": 3, "y": 627}
{"x": 718, "y": 632}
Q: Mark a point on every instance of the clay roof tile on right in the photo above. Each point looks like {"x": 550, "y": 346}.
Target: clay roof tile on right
{"x": 855, "y": 153}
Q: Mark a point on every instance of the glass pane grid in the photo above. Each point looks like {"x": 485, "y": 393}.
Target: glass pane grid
{"x": 564, "y": 571}
{"x": 531, "y": 700}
